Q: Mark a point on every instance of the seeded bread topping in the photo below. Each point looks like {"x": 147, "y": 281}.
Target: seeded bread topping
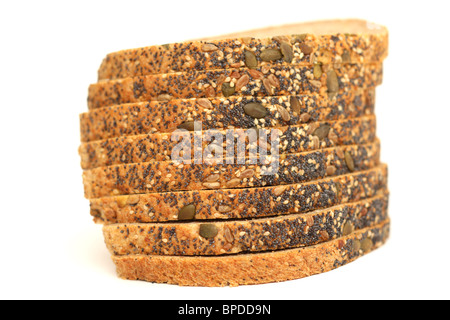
{"x": 240, "y": 203}
{"x": 231, "y": 237}
{"x": 221, "y": 113}
{"x": 256, "y": 268}
{"x": 273, "y": 80}
{"x": 292, "y": 139}
{"x": 169, "y": 176}
{"x": 301, "y": 44}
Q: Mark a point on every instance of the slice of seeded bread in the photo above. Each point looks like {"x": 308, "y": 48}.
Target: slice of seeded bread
{"x": 246, "y": 203}
{"x": 161, "y": 147}
{"x": 272, "y": 81}
{"x": 324, "y": 42}
{"x": 256, "y": 268}
{"x": 221, "y": 113}
{"x": 255, "y": 235}
{"x": 170, "y": 176}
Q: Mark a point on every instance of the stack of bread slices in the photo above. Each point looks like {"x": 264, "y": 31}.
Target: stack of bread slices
{"x": 244, "y": 159}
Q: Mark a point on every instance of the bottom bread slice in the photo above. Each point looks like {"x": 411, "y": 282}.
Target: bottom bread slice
{"x": 254, "y": 268}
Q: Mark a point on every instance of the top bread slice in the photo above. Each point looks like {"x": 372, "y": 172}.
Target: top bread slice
{"x": 324, "y": 42}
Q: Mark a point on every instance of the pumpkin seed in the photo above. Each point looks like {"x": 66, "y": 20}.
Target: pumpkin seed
{"x": 322, "y": 131}
{"x": 208, "y": 231}
{"x": 356, "y": 245}
{"x": 299, "y": 37}
{"x": 134, "y": 199}
{"x": 255, "y": 110}
{"x": 332, "y": 82}
{"x": 286, "y": 51}
{"x": 366, "y": 245}
{"x": 348, "y": 228}
{"x": 227, "y": 89}
{"x": 250, "y": 60}
{"x": 295, "y": 105}
{"x": 271, "y": 55}
{"x": 187, "y": 212}
{"x": 166, "y": 46}
{"x": 349, "y": 161}
{"x": 346, "y": 57}
{"x": 188, "y": 125}
{"x": 317, "y": 71}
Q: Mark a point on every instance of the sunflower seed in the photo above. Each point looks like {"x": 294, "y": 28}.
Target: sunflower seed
{"x": 284, "y": 114}
{"x": 233, "y": 183}
{"x": 205, "y": 103}
{"x": 346, "y": 58}
{"x": 349, "y": 161}
{"x": 286, "y": 51}
{"x": 242, "y": 82}
{"x": 305, "y": 117}
{"x": 247, "y": 173}
{"x": 228, "y": 235}
{"x": 224, "y": 209}
{"x": 188, "y": 125}
{"x": 307, "y": 50}
{"x": 295, "y": 104}
{"x": 212, "y": 178}
{"x": 268, "y": 87}
{"x": 209, "y": 47}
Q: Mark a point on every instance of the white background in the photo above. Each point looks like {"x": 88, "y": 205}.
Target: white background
{"x": 50, "y": 52}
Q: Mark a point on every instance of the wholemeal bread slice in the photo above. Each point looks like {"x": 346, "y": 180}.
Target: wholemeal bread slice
{"x": 274, "y": 81}
{"x": 162, "y": 147}
{"x": 255, "y": 235}
{"x": 325, "y": 42}
{"x": 240, "y": 203}
{"x": 226, "y": 113}
{"x": 256, "y": 268}
{"x": 170, "y": 176}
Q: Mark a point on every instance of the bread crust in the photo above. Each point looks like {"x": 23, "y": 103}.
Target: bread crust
{"x": 250, "y": 269}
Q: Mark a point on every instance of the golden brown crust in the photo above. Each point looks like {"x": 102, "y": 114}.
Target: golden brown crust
{"x": 221, "y": 113}
{"x": 170, "y": 176}
{"x": 244, "y": 236}
{"x": 326, "y": 42}
{"x": 160, "y": 147}
{"x": 249, "y": 269}
{"x": 240, "y": 203}
{"x": 274, "y": 80}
